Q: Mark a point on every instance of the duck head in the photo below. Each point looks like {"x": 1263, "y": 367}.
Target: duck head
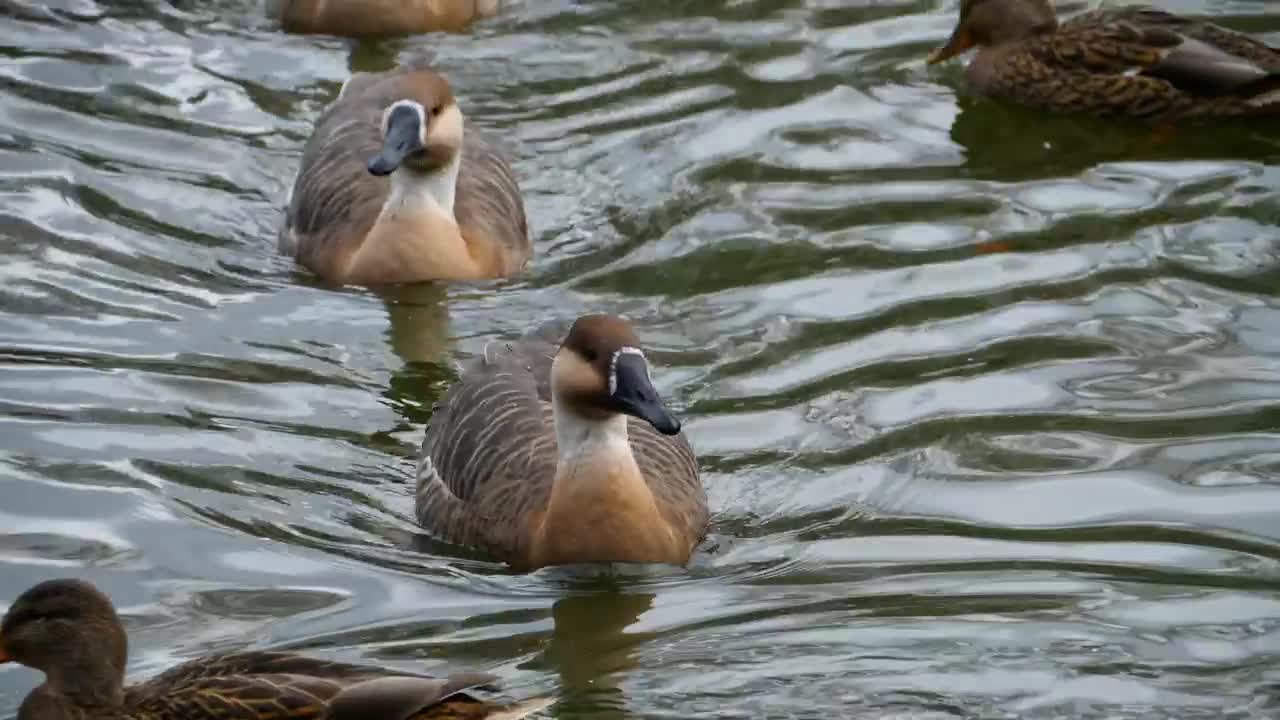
{"x": 985, "y": 23}
{"x": 68, "y": 630}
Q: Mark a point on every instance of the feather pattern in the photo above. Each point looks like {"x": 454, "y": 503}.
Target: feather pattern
{"x": 489, "y": 456}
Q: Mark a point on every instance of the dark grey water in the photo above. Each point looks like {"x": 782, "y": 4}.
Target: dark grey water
{"x": 988, "y": 404}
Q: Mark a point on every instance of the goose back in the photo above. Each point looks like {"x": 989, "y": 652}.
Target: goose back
{"x": 489, "y": 456}
{"x": 336, "y": 201}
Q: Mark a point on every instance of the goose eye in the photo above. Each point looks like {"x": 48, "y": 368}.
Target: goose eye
{"x": 435, "y": 111}
{"x": 589, "y": 355}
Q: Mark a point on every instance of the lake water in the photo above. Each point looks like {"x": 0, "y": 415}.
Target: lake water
{"x": 987, "y": 403}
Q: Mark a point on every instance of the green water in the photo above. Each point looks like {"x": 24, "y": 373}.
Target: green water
{"x": 987, "y": 404}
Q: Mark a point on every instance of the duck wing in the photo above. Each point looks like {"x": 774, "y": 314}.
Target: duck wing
{"x": 1126, "y": 53}
{"x": 402, "y": 698}
{"x": 233, "y": 697}
{"x": 262, "y": 685}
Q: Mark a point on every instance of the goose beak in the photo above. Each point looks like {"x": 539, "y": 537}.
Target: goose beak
{"x": 634, "y": 394}
{"x": 402, "y": 138}
{"x": 959, "y": 41}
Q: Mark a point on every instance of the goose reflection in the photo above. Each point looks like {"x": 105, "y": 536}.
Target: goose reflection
{"x": 591, "y": 650}
{"x": 418, "y": 315}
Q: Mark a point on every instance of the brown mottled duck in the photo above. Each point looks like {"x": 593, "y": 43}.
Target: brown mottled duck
{"x": 1127, "y": 62}
{"x": 69, "y": 630}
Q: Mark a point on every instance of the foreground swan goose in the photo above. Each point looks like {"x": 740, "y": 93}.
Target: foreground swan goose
{"x": 395, "y": 186}
{"x": 1129, "y": 61}
{"x": 69, "y": 630}
{"x": 549, "y": 456}
{"x": 363, "y": 18}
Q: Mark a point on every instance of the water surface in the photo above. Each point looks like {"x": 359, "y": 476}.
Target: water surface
{"x": 988, "y": 404}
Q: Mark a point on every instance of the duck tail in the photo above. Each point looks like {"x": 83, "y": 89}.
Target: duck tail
{"x": 1264, "y": 94}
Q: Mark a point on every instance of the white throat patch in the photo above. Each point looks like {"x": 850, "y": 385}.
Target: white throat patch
{"x": 613, "y": 365}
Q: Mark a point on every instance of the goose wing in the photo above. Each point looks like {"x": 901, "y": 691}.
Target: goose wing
{"x": 259, "y": 663}
{"x": 1229, "y": 41}
{"x": 670, "y": 467}
{"x": 489, "y": 454}
{"x": 488, "y": 205}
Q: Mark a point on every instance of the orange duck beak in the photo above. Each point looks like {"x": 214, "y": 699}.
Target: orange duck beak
{"x": 960, "y": 41}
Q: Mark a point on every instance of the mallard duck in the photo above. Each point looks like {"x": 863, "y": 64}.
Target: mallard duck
{"x": 545, "y": 455}
{"x": 1133, "y": 61}
{"x": 69, "y": 630}
{"x": 392, "y": 190}
{"x": 373, "y": 18}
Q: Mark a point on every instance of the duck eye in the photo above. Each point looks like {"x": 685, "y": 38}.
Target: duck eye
{"x": 589, "y": 355}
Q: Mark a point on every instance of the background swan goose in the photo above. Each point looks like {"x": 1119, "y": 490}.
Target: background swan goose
{"x": 363, "y": 18}
{"x": 548, "y": 456}
{"x": 395, "y": 186}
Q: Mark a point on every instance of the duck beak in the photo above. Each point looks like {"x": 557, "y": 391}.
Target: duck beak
{"x": 959, "y": 41}
{"x": 634, "y": 394}
{"x": 402, "y": 138}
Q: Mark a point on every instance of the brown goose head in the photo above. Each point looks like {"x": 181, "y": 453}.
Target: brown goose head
{"x": 600, "y": 372}
{"x": 985, "y": 23}
{"x": 68, "y": 630}
{"x": 421, "y": 132}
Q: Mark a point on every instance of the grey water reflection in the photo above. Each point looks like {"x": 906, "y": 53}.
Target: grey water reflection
{"x": 986, "y": 402}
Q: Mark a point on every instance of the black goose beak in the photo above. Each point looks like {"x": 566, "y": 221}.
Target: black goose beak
{"x": 402, "y": 138}
{"x": 634, "y": 394}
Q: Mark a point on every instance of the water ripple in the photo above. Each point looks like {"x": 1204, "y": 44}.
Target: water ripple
{"x": 985, "y": 401}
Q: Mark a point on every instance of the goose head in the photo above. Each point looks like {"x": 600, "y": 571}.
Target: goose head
{"x": 68, "y": 630}
{"x": 420, "y": 134}
{"x": 600, "y": 373}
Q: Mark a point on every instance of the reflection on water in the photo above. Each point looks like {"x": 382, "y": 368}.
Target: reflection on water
{"x": 985, "y": 401}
